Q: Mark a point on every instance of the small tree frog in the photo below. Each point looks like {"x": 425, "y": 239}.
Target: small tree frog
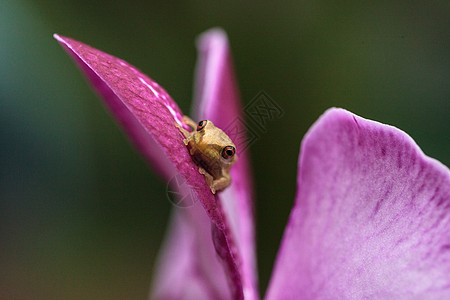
{"x": 212, "y": 150}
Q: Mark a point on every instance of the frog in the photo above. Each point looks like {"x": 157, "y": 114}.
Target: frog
{"x": 212, "y": 150}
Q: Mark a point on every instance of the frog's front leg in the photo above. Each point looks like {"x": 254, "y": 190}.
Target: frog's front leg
{"x": 218, "y": 184}
{"x": 188, "y": 121}
{"x": 185, "y": 133}
{"x": 221, "y": 183}
{"x": 208, "y": 178}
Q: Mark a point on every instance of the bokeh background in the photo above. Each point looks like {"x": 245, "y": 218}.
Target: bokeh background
{"x": 81, "y": 214}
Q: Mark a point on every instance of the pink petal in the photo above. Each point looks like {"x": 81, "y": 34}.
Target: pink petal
{"x": 217, "y": 100}
{"x": 148, "y": 115}
{"x": 188, "y": 267}
{"x": 371, "y": 218}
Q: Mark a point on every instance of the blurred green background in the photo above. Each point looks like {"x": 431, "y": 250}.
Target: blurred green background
{"x": 81, "y": 214}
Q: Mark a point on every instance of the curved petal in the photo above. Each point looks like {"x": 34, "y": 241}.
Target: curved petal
{"x": 148, "y": 115}
{"x": 217, "y": 99}
{"x": 371, "y": 218}
{"x": 188, "y": 266}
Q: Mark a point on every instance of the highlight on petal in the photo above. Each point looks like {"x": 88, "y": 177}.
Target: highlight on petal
{"x": 217, "y": 99}
{"x": 371, "y": 218}
{"x": 148, "y": 115}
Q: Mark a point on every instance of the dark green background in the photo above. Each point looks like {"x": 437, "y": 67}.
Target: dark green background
{"x": 81, "y": 215}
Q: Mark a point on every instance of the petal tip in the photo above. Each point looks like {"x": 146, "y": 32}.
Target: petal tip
{"x": 62, "y": 40}
{"x": 337, "y": 112}
{"x": 58, "y": 37}
{"x": 214, "y": 36}
{"x": 340, "y": 117}
{"x": 216, "y": 32}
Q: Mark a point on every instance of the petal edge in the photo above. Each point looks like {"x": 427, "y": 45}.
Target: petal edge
{"x": 370, "y": 220}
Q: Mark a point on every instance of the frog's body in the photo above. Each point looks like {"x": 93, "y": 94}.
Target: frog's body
{"x": 212, "y": 150}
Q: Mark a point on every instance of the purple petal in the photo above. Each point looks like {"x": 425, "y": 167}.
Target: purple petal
{"x": 217, "y": 99}
{"x": 371, "y": 218}
{"x": 148, "y": 115}
{"x": 188, "y": 267}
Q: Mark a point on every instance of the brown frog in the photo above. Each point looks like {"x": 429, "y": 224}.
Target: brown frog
{"x": 212, "y": 150}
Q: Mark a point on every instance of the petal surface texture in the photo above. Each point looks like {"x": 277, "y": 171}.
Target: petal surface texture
{"x": 189, "y": 267}
{"x": 371, "y": 218}
{"x": 148, "y": 115}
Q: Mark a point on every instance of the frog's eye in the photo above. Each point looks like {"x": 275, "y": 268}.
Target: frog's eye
{"x": 228, "y": 152}
{"x": 201, "y": 125}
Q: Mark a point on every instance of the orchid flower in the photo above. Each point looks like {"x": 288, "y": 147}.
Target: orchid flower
{"x": 371, "y": 217}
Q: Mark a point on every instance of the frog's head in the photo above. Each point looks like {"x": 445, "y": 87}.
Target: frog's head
{"x": 217, "y": 148}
